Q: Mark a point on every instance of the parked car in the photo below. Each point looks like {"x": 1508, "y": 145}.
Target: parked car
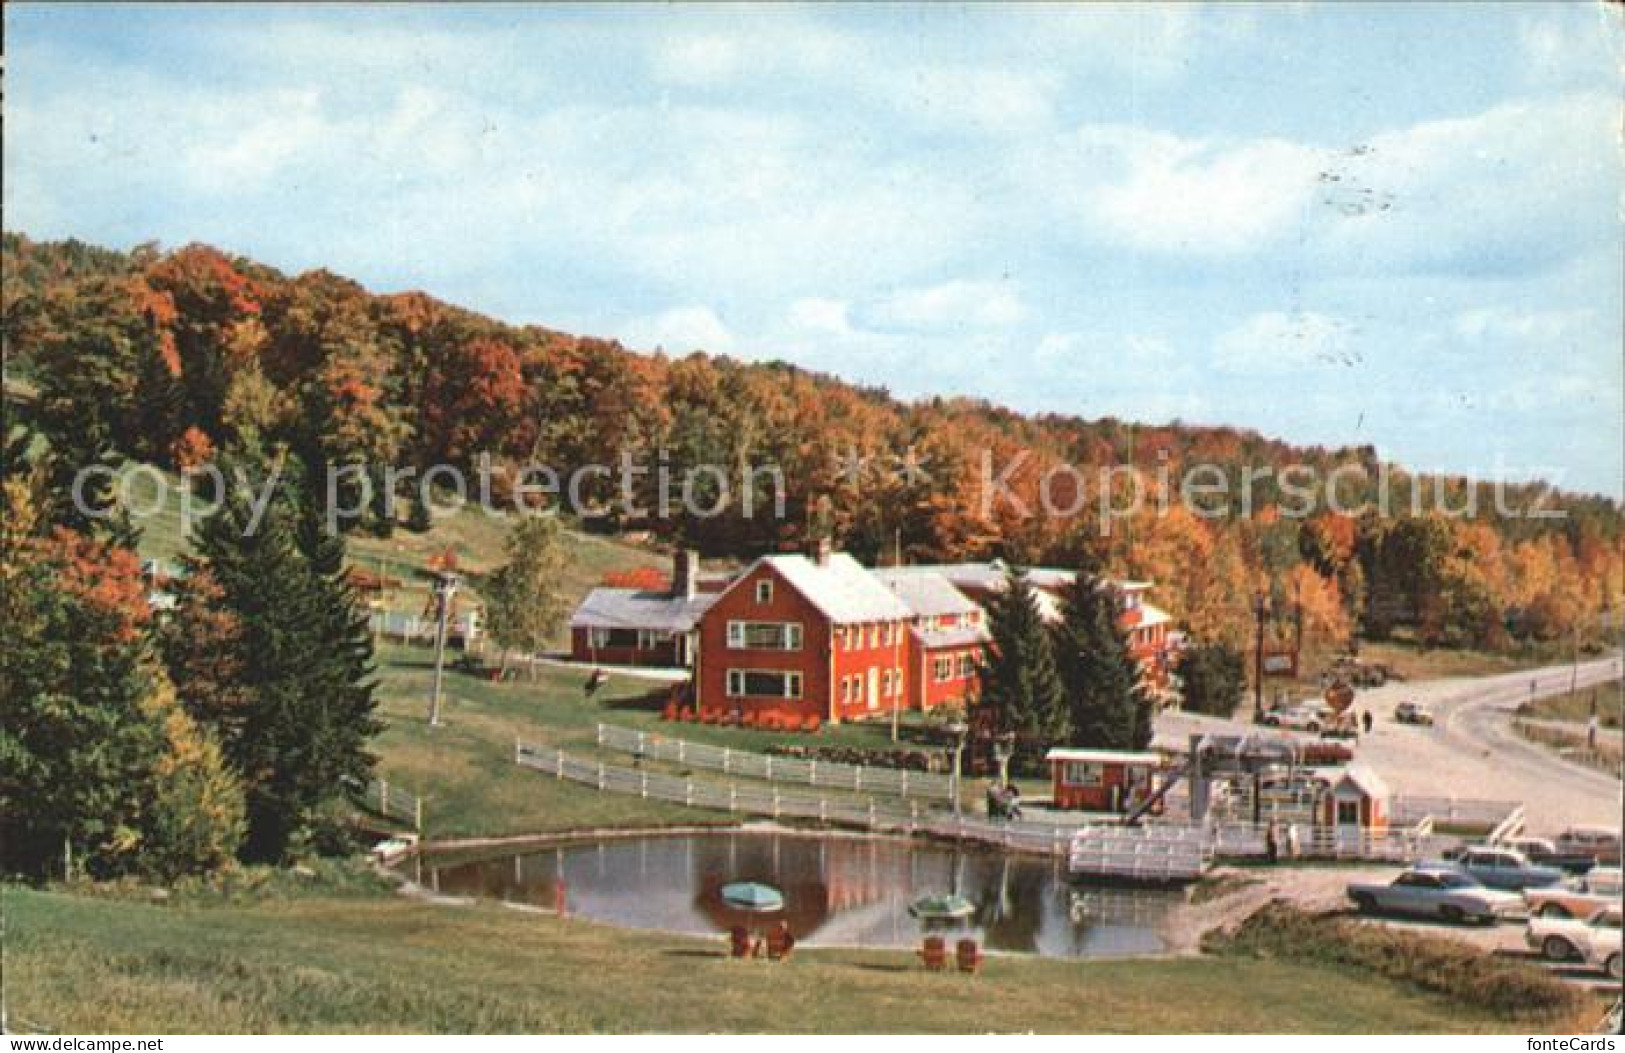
{"x": 1413, "y": 713}
{"x": 1505, "y": 868}
{"x": 1598, "y": 842}
{"x": 1544, "y": 852}
{"x": 1598, "y": 940}
{"x": 1307, "y": 716}
{"x": 1579, "y": 898}
{"x": 1447, "y": 894}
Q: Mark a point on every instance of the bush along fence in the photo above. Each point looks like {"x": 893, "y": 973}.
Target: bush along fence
{"x": 897, "y": 815}
{"x": 1571, "y": 745}
{"x": 383, "y": 798}
{"x": 856, "y": 778}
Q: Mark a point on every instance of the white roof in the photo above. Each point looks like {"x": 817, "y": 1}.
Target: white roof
{"x": 606, "y": 608}
{"x": 1363, "y": 779}
{"x": 841, "y": 588}
{"x": 1151, "y": 614}
{"x": 926, "y": 592}
{"x": 1104, "y": 756}
{"x": 989, "y": 576}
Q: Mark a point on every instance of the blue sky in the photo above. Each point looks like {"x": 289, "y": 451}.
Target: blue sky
{"x": 1340, "y": 223}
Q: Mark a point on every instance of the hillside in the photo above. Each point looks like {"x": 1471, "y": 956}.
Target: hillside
{"x": 166, "y": 358}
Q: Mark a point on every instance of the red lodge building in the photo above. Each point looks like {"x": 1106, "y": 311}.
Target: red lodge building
{"x": 797, "y": 641}
{"x": 644, "y": 626}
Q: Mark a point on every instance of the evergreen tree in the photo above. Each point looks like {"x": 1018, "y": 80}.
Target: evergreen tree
{"x": 1107, "y": 705}
{"x": 1020, "y": 687}
{"x": 1212, "y": 677}
{"x": 306, "y": 663}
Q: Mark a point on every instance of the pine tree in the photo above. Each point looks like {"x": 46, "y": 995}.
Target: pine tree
{"x": 1212, "y": 677}
{"x": 1107, "y": 705}
{"x": 1019, "y": 682}
{"x": 306, "y": 661}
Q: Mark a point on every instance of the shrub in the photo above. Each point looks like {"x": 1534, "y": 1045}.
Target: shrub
{"x": 1444, "y": 966}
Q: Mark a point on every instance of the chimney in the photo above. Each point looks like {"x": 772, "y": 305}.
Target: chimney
{"x": 685, "y": 568}
{"x": 821, "y": 551}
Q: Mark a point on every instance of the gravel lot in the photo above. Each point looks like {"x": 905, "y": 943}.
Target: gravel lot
{"x": 1471, "y": 751}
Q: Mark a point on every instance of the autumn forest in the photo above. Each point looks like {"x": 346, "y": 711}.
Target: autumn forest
{"x": 166, "y": 357}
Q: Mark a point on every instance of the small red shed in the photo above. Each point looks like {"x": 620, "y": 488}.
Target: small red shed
{"x": 1358, "y": 799}
{"x": 1102, "y": 780}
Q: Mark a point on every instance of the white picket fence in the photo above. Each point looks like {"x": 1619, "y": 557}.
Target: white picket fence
{"x": 1141, "y": 853}
{"x": 1393, "y": 844}
{"x": 925, "y": 786}
{"x": 1407, "y": 810}
{"x": 888, "y": 816}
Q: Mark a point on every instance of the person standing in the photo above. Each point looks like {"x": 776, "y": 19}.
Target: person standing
{"x": 1272, "y": 842}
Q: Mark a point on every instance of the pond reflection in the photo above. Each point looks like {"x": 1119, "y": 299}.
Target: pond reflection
{"x": 839, "y": 890}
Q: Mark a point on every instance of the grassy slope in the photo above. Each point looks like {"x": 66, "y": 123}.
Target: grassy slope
{"x": 1576, "y": 707}
{"x": 465, "y": 769}
{"x": 327, "y": 963}
{"x": 476, "y": 537}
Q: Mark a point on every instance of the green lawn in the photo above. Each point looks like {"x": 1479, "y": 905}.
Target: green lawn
{"x": 465, "y": 770}
{"x": 324, "y": 963}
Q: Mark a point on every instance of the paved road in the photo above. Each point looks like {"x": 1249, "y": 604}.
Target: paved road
{"x": 1472, "y": 750}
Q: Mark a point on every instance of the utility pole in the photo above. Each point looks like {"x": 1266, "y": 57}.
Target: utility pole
{"x": 445, "y": 587}
{"x": 1260, "y": 608}
{"x": 1574, "y": 675}
{"x": 959, "y": 730}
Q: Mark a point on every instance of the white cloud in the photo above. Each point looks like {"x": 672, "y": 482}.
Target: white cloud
{"x": 1522, "y": 326}
{"x": 1161, "y": 192}
{"x": 987, "y": 100}
{"x": 699, "y": 59}
{"x": 820, "y": 315}
{"x": 1274, "y": 341}
{"x": 1575, "y": 44}
{"x": 1139, "y": 355}
{"x": 1520, "y": 185}
{"x": 680, "y": 330}
{"x": 959, "y": 304}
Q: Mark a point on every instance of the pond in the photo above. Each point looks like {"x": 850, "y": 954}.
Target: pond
{"x": 839, "y": 890}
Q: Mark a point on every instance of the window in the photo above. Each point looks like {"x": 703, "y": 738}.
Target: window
{"x": 873, "y": 635}
{"x": 598, "y": 637}
{"x": 763, "y": 683}
{"x": 765, "y": 636}
{"x": 1348, "y": 813}
{"x": 1083, "y": 773}
{"x": 857, "y": 689}
{"x": 651, "y": 638}
{"x": 885, "y": 684}
{"x": 967, "y": 666}
{"x": 764, "y": 591}
{"x": 942, "y": 669}
{"x": 838, "y": 634}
